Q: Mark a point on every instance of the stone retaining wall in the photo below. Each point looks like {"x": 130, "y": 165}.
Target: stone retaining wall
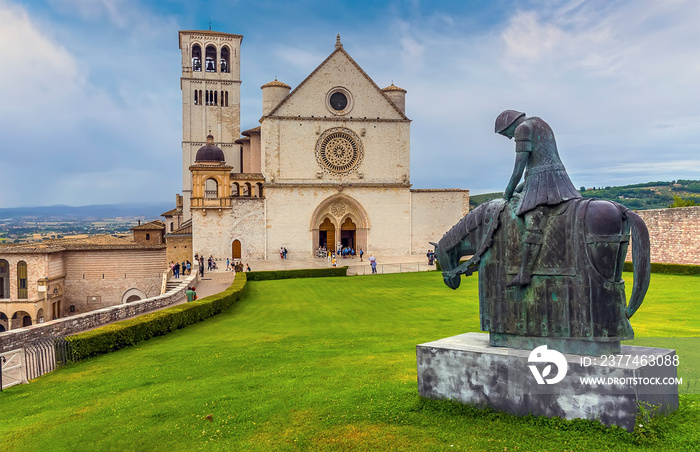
{"x": 674, "y": 235}
{"x": 67, "y": 326}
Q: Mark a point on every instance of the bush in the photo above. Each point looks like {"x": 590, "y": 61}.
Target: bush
{"x": 670, "y": 269}
{"x": 126, "y": 333}
{"x": 303, "y": 273}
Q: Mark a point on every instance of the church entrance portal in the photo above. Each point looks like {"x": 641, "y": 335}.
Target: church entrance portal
{"x": 347, "y": 234}
{"x": 326, "y": 235}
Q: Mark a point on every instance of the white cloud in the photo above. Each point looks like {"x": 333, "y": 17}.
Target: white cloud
{"x": 37, "y": 70}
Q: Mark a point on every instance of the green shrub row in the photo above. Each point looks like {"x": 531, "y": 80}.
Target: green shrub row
{"x": 656, "y": 267}
{"x": 670, "y": 269}
{"x": 302, "y": 273}
{"x": 132, "y": 331}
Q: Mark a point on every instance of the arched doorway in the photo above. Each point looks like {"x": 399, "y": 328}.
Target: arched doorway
{"x": 326, "y": 235}
{"x": 347, "y": 234}
{"x": 344, "y": 218}
{"x": 236, "y": 249}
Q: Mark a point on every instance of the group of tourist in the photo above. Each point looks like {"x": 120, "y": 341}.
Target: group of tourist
{"x": 283, "y": 253}
{"x": 191, "y": 294}
{"x": 184, "y": 268}
{"x": 431, "y": 257}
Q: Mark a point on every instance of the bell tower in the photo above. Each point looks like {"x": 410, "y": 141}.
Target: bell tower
{"x": 211, "y": 101}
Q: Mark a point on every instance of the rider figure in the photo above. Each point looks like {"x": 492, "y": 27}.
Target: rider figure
{"x": 545, "y": 184}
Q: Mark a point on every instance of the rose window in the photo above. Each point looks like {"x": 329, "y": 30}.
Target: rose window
{"x": 339, "y": 151}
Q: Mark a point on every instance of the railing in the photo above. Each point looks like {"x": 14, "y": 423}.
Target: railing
{"x": 40, "y": 358}
{"x": 400, "y": 267}
{"x": 33, "y": 361}
{"x": 164, "y": 284}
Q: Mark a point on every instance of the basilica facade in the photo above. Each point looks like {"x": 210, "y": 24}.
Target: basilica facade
{"x": 328, "y": 166}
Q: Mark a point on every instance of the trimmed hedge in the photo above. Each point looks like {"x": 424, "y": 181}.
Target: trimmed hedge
{"x": 302, "y": 273}
{"x": 126, "y": 333}
{"x": 656, "y": 267}
{"x": 670, "y": 269}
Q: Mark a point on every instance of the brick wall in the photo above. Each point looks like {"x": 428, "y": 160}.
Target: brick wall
{"x": 66, "y": 326}
{"x": 674, "y": 235}
{"x": 97, "y": 279}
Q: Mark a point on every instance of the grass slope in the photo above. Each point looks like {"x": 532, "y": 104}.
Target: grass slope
{"x": 315, "y": 364}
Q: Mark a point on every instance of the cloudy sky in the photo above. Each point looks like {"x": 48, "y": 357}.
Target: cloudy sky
{"x": 90, "y": 102}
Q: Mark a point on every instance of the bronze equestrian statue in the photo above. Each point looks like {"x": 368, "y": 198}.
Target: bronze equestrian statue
{"x": 549, "y": 262}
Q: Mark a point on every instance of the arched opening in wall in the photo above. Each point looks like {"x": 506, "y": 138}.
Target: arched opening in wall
{"x": 235, "y": 189}
{"x": 40, "y": 316}
{"x": 211, "y": 59}
{"x": 196, "y": 58}
{"x": 260, "y": 189}
{"x": 226, "y": 97}
{"x": 4, "y": 322}
{"x": 4, "y": 279}
{"x": 347, "y": 234}
{"x": 211, "y": 188}
{"x": 225, "y": 55}
{"x": 132, "y": 295}
{"x": 236, "y": 249}
{"x": 216, "y": 94}
{"x": 20, "y": 319}
{"x": 22, "y": 292}
{"x": 247, "y": 190}
{"x": 326, "y": 235}
{"x": 196, "y": 97}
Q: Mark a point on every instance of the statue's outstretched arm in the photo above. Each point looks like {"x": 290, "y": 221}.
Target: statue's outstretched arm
{"x": 520, "y": 163}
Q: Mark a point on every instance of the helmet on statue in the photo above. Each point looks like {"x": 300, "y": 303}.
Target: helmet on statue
{"x": 506, "y": 119}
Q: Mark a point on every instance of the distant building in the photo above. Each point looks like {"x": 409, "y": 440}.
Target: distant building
{"x": 55, "y": 278}
{"x": 328, "y": 166}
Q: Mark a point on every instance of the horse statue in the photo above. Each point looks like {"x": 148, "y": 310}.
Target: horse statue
{"x": 575, "y": 301}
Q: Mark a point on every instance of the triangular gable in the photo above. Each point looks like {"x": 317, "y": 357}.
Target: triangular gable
{"x": 341, "y": 51}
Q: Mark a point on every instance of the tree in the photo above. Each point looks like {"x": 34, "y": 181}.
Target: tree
{"x": 680, "y": 202}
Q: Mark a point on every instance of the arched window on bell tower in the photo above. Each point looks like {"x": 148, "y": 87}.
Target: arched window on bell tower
{"x": 225, "y": 57}
{"x": 211, "y": 59}
{"x": 211, "y": 188}
{"x": 196, "y": 58}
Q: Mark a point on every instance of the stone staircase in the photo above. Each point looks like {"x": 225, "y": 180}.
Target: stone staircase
{"x": 172, "y": 284}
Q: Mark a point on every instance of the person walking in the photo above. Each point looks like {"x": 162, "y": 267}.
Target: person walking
{"x": 190, "y": 294}
{"x": 373, "y": 264}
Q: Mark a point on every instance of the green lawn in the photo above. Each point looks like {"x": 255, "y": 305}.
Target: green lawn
{"x": 317, "y": 364}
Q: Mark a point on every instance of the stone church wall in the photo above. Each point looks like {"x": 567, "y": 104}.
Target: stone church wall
{"x": 434, "y": 212}
{"x": 290, "y": 212}
{"x": 386, "y": 148}
{"x": 674, "y": 235}
{"x": 216, "y": 231}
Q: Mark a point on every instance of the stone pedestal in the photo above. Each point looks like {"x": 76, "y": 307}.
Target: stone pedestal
{"x": 467, "y": 369}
